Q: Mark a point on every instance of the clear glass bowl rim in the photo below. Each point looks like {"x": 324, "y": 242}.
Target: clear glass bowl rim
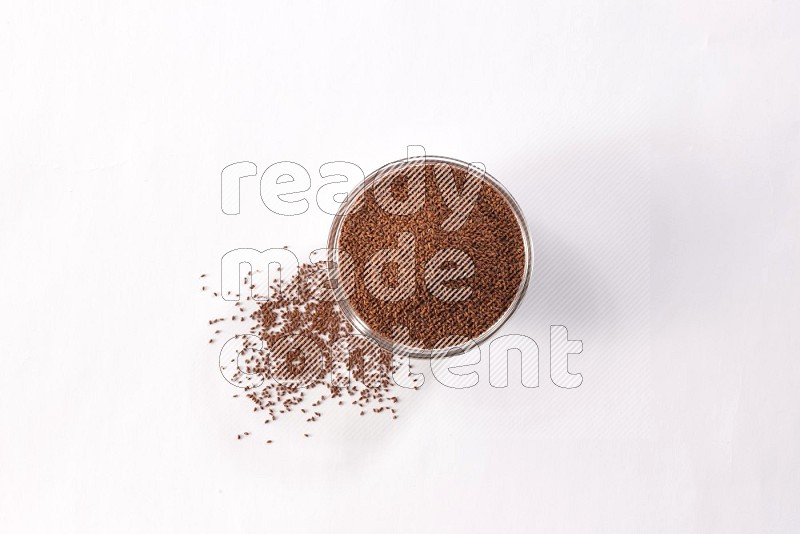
{"x": 360, "y": 325}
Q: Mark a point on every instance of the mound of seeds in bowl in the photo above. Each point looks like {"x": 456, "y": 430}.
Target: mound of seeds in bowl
{"x": 300, "y": 354}
{"x": 433, "y": 251}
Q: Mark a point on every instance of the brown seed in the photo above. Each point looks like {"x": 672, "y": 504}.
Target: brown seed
{"x": 490, "y": 238}
{"x": 296, "y": 311}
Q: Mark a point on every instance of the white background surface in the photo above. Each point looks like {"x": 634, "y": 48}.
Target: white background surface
{"x": 654, "y": 148}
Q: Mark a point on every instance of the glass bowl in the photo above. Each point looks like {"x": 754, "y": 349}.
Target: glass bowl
{"x": 334, "y": 255}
